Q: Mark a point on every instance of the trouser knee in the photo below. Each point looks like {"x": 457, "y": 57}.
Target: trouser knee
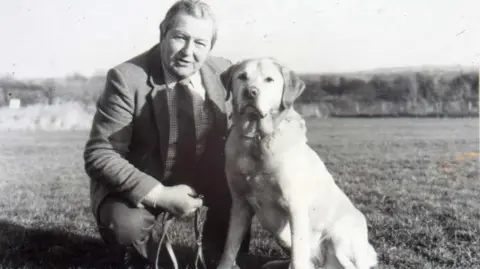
{"x": 120, "y": 223}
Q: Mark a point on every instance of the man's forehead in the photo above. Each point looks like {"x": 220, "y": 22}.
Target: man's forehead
{"x": 183, "y": 22}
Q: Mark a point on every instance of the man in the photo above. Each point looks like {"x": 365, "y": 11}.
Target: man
{"x": 157, "y": 138}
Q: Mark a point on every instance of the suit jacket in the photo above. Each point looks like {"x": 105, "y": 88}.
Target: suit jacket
{"x": 127, "y": 148}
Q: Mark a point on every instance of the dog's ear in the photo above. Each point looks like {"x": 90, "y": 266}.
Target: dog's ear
{"x": 226, "y": 78}
{"x": 292, "y": 88}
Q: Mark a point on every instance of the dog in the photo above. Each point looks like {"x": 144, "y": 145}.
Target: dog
{"x": 274, "y": 175}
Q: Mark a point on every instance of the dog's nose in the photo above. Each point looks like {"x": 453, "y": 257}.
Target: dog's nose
{"x": 250, "y": 93}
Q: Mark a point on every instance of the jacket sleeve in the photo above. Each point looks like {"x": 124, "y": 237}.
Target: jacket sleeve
{"x": 224, "y": 64}
{"x": 109, "y": 141}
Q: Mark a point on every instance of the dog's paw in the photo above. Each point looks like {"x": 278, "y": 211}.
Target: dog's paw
{"x": 277, "y": 264}
{"x": 224, "y": 266}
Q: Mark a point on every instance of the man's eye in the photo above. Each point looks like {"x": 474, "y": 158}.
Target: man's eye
{"x": 178, "y": 37}
{"x": 201, "y": 44}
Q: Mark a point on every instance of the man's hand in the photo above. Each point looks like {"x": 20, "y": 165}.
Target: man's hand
{"x": 180, "y": 200}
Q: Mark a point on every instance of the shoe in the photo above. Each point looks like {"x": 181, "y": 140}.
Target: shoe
{"x": 277, "y": 264}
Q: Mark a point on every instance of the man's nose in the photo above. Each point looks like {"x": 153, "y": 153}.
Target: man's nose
{"x": 250, "y": 93}
{"x": 188, "y": 48}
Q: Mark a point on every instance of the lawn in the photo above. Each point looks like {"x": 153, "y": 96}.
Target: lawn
{"x": 417, "y": 181}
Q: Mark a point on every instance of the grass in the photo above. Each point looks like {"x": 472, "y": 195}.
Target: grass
{"x": 417, "y": 181}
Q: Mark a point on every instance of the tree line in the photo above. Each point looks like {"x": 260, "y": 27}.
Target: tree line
{"x": 406, "y": 92}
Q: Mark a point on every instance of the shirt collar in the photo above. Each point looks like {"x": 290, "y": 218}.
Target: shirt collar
{"x": 171, "y": 81}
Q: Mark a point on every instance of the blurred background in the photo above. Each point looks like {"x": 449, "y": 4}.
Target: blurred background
{"x": 358, "y": 58}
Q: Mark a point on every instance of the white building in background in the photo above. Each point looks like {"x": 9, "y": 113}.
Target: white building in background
{"x": 14, "y": 103}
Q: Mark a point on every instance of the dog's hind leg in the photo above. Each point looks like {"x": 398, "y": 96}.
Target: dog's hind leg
{"x": 365, "y": 256}
{"x": 345, "y": 261}
{"x": 343, "y": 253}
{"x": 330, "y": 260}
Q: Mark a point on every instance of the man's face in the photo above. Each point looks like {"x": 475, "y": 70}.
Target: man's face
{"x": 186, "y": 45}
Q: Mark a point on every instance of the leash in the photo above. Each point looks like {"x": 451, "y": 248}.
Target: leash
{"x": 165, "y": 239}
{"x": 199, "y": 258}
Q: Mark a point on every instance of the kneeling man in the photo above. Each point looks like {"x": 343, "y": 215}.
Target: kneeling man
{"x": 158, "y": 136}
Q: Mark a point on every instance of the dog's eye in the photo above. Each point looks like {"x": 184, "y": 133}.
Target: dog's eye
{"x": 269, "y": 79}
{"x": 242, "y": 76}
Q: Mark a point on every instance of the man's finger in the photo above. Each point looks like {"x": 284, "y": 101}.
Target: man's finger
{"x": 197, "y": 202}
{"x": 196, "y": 195}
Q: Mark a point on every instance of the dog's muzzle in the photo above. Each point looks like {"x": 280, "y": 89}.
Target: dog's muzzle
{"x": 252, "y": 112}
{"x": 250, "y": 93}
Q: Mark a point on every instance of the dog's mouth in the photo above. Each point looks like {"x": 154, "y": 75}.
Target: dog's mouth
{"x": 254, "y": 123}
{"x": 252, "y": 112}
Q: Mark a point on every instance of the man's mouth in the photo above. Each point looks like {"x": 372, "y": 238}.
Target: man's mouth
{"x": 182, "y": 62}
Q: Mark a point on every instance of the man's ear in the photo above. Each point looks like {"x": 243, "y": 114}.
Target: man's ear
{"x": 292, "y": 88}
{"x": 226, "y": 78}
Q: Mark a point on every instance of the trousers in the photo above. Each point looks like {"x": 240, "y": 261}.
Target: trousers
{"x": 122, "y": 224}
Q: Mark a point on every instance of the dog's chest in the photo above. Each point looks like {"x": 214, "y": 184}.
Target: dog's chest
{"x": 260, "y": 176}
{"x": 252, "y": 161}
{"x": 264, "y": 192}
{"x": 262, "y": 181}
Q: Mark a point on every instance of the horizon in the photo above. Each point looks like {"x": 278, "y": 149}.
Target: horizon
{"x": 372, "y": 71}
{"x": 347, "y": 37}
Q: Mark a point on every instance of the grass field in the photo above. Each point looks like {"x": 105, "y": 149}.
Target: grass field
{"x": 417, "y": 181}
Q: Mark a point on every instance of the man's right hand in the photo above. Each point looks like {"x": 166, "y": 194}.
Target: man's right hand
{"x": 179, "y": 200}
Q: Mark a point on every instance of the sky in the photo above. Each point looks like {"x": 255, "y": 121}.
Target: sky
{"x": 54, "y": 38}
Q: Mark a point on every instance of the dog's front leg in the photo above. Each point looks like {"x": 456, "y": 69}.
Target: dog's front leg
{"x": 241, "y": 215}
{"x": 300, "y": 232}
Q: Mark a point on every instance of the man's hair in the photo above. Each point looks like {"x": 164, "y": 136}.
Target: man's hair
{"x": 195, "y": 8}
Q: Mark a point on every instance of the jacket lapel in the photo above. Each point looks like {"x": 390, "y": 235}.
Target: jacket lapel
{"x": 158, "y": 99}
{"x": 215, "y": 94}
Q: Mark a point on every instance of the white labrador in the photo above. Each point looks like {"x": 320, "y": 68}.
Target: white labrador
{"x": 273, "y": 174}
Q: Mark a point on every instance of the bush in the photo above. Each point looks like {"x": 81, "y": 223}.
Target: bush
{"x": 402, "y": 93}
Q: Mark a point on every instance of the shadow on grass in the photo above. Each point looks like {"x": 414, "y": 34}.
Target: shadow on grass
{"x": 26, "y": 247}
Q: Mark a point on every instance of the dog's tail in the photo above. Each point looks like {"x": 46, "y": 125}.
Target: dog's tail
{"x": 366, "y": 257}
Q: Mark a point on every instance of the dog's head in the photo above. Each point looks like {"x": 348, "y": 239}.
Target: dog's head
{"x": 261, "y": 89}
